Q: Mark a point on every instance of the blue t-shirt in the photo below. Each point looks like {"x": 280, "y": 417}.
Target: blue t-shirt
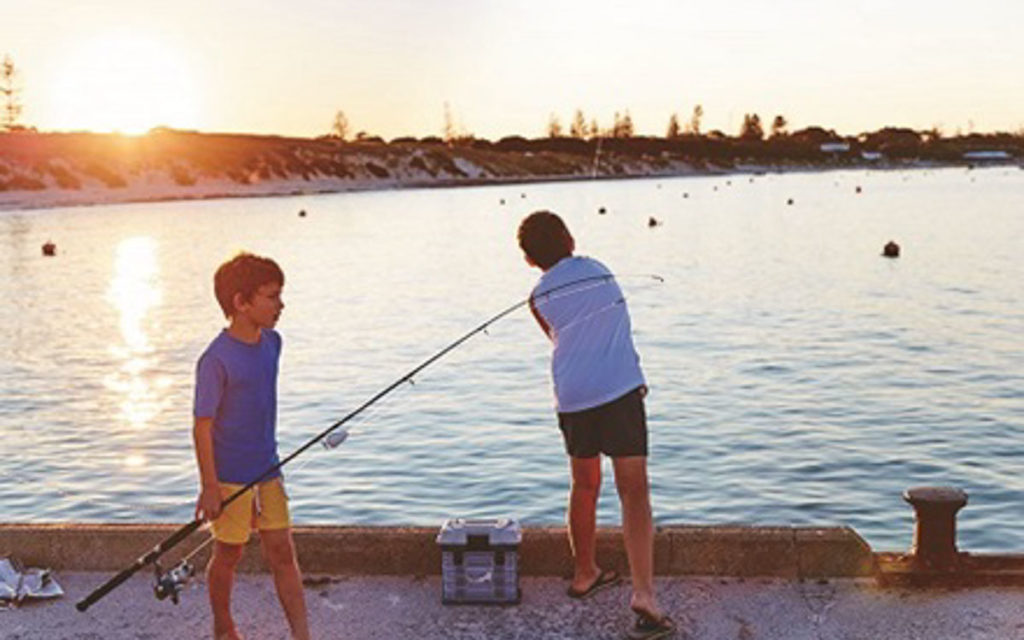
{"x": 594, "y": 360}
{"x": 236, "y": 385}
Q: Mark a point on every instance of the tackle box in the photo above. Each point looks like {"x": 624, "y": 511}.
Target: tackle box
{"x": 480, "y": 561}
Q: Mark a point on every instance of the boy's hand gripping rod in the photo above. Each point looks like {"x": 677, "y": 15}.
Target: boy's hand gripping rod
{"x": 172, "y": 540}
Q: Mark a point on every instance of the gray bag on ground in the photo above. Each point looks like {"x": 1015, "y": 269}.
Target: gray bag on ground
{"x": 18, "y": 583}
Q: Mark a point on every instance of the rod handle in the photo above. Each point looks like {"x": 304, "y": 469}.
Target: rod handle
{"x": 149, "y": 558}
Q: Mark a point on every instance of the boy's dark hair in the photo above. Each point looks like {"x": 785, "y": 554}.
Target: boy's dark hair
{"x": 544, "y": 238}
{"x": 244, "y": 274}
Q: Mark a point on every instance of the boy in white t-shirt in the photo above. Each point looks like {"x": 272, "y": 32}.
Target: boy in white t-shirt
{"x": 600, "y": 391}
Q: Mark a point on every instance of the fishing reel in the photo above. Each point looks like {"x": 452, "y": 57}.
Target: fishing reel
{"x": 170, "y": 583}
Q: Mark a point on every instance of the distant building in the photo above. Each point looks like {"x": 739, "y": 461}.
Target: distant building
{"x": 987, "y": 156}
{"x": 835, "y": 147}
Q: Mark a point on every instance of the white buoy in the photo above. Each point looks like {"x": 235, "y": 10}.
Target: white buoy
{"x": 336, "y": 438}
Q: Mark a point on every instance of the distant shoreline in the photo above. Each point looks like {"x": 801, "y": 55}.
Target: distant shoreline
{"x": 55, "y": 170}
{"x": 35, "y": 200}
{"x": 57, "y": 198}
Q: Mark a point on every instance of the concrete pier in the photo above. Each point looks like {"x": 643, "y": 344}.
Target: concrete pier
{"x": 405, "y": 607}
{"x": 751, "y": 583}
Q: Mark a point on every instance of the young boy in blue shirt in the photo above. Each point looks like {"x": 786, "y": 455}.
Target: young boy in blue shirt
{"x": 234, "y": 433}
{"x": 600, "y": 389}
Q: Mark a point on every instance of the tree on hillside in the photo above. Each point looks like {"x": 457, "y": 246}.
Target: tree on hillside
{"x": 554, "y": 127}
{"x": 752, "y": 129}
{"x": 595, "y": 130}
{"x": 578, "y": 128}
{"x": 448, "y": 133}
{"x": 694, "y": 125}
{"x": 340, "y": 128}
{"x": 814, "y": 136}
{"x": 895, "y": 141}
{"x": 673, "y": 127}
{"x": 622, "y": 125}
{"x": 627, "y": 125}
{"x": 367, "y": 137}
{"x": 454, "y": 134}
{"x": 779, "y": 125}
{"x": 10, "y": 91}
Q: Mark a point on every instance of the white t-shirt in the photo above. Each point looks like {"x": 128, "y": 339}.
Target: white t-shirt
{"x": 594, "y": 360}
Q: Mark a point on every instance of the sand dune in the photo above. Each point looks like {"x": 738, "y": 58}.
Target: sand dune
{"x": 49, "y": 170}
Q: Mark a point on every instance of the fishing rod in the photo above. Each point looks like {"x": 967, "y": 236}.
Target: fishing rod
{"x": 170, "y": 585}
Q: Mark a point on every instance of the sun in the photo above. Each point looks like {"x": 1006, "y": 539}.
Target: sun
{"x": 124, "y": 82}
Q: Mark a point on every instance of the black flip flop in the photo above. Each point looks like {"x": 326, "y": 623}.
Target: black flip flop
{"x": 649, "y": 628}
{"x": 608, "y": 578}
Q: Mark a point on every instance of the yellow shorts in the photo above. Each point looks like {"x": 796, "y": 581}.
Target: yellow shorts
{"x": 266, "y": 510}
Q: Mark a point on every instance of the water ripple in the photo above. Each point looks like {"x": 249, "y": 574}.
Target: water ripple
{"x": 796, "y": 378}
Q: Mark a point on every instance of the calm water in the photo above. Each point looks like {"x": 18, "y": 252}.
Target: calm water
{"x": 797, "y": 377}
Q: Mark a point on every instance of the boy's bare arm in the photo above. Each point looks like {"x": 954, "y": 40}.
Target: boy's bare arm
{"x": 540, "y": 320}
{"x": 208, "y": 505}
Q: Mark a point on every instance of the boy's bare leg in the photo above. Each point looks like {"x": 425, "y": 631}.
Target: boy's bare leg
{"x": 220, "y": 577}
{"x": 279, "y": 550}
{"x": 586, "y": 485}
{"x": 637, "y": 530}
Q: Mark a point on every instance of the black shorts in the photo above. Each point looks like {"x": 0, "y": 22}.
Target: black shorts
{"x": 617, "y": 428}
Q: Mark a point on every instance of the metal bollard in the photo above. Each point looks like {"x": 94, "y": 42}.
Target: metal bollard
{"x": 935, "y": 510}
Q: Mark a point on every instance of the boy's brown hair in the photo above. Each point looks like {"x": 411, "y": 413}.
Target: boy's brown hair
{"x": 243, "y": 274}
{"x": 544, "y": 238}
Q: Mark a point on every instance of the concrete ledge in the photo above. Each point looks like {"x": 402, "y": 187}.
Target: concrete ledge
{"x": 786, "y": 552}
{"x": 733, "y": 551}
{"x": 839, "y": 551}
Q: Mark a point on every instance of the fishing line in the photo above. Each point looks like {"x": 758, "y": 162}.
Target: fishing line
{"x": 188, "y": 529}
{"x": 170, "y": 583}
{"x": 604, "y": 309}
{"x": 373, "y": 414}
{"x": 556, "y": 293}
{"x": 63, "y": 492}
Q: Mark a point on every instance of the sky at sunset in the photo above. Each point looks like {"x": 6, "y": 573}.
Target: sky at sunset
{"x": 505, "y": 66}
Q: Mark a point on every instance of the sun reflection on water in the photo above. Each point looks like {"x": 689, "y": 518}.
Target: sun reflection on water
{"x": 134, "y": 461}
{"x": 134, "y": 292}
{"x": 135, "y": 289}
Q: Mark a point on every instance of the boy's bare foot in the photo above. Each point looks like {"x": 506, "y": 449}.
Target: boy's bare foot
{"x": 605, "y": 579}
{"x": 646, "y": 628}
{"x": 231, "y": 634}
{"x": 582, "y": 579}
{"x": 646, "y": 608}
